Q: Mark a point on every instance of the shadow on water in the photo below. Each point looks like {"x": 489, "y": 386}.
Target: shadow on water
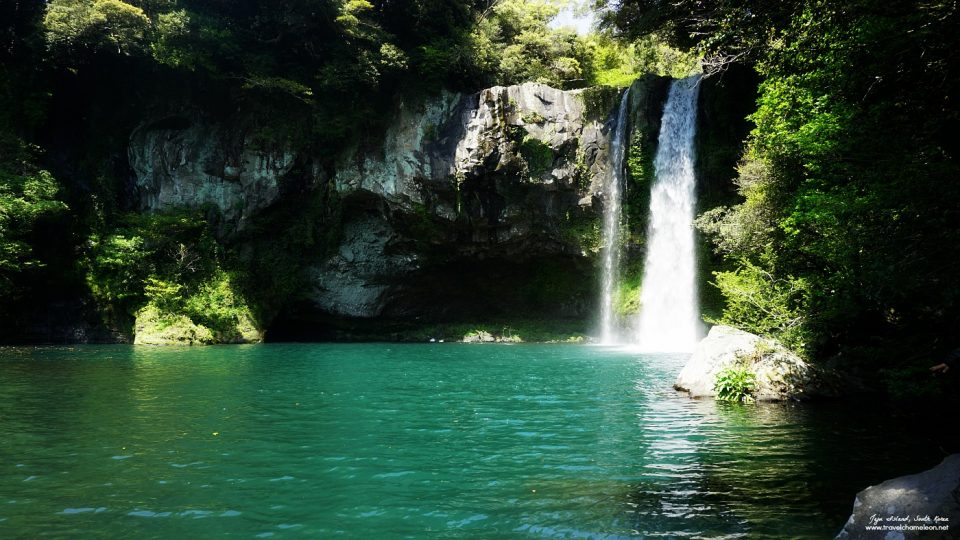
{"x": 774, "y": 470}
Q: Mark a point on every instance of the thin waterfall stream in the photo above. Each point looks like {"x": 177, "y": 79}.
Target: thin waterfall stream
{"x": 669, "y": 312}
{"x": 612, "y": 219}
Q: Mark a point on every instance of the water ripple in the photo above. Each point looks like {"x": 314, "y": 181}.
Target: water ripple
{"x": 413, "y": 441}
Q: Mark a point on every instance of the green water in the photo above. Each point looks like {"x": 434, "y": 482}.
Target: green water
{"x": 418, "y": 441}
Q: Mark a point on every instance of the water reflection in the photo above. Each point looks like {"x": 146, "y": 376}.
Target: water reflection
{"x": 393, "y": 441}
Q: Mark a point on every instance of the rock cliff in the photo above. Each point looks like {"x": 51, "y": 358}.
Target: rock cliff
{"x": 187, "y": 161}
{"x": 501, "y": 178}
{"x": 468, "y": 206}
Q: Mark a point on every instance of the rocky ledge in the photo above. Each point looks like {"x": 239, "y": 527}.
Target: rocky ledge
{"x": 779, "y": 374}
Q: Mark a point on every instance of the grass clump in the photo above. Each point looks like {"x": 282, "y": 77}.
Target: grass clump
{"x": 735, "y": 384}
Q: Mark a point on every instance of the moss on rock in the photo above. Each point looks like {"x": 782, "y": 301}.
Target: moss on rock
{"x": 599, "y": 101}
{"x": 156, "y": 327}
{"x": 537, "y": 155}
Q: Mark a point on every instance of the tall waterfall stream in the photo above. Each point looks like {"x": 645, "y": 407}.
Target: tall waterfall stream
{"x": 669, "y": 312}
{"x": 669, "y": 315}
{"x": 612, "y": 220}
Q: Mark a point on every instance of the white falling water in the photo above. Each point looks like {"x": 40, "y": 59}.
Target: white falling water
{"x": 669, "y": 314}
{"x": 612, "y": 219}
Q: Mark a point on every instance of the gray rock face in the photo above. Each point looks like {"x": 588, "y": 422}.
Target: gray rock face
{"x": 780, "y": 374}
{"x": 186, "y": 162}
{"x": 510, "y": 177}
{"x": 446, "y": 141}
{"x": 499, "y": 174}
{"x": 353, "y": 282}
{"x": 923, "y": 505}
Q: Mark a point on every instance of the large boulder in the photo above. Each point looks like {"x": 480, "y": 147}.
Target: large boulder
{"x": 779, "y": 374}
{"x": 923, "y": 505}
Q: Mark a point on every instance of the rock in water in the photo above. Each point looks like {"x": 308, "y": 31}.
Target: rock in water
{"x": 924, "y": 505}
{"x": 481, "y": 336}
{"x": 780, "y": 374}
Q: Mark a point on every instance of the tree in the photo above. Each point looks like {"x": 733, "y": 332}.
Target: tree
{"x": 74, "y": 25}
{"x": 27, "y": 194}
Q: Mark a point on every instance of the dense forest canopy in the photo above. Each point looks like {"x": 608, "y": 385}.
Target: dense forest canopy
{"x": 843, "y": 243}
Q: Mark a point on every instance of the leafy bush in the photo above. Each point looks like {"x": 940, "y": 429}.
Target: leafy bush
{"x": 583, "y": 231}
{"x": 760, "y": 302}
{"x": 147, "y": 250}
{"x": 214, "y": 304}
{"x": 170, "y": 263}
{"x": 618, "y": 63}
{"x": 735, "y": 384}
{"x": 515, "y": 42}
{"x": 747, "y": 229}
{"x": 629, "y": 289}
{"x": 81, "y": 24}
{"x": 27, "y": 194}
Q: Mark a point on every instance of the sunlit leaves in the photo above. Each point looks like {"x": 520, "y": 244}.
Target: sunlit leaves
{"x": 351, "y": 14}
{"x": 27, "y": 194}
{"x": 515, "y": 42}
{"x": 766, "y": 304}
{"x": 94, "y": 24}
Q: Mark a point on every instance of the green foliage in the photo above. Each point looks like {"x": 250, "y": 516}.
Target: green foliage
{"x": 148, "y": 256}
{"x": 27, "y": 194}
{"x": 629, "y": 289}
{"x": 118, "y": 269}
{"x": 73, "y": 25}
{"x": 598, "y": 101}
{"x": 515, "y": 42}
{"x": 213, "y": 304}
{"x": 760, "y": 302}
{"x": 748, "y": 229}
{"x": 640, "y": 162}
{"x": 617, "y": 63}
{"x": 166, "y": 271}
{"x": 537, "y": 155}
{"x": 640, "y": 174}
{"x": 157, "y": 327}
{"x": 735, "y": 384}
{"x": 172, "y": 28}
{"x": 583, "y": 231}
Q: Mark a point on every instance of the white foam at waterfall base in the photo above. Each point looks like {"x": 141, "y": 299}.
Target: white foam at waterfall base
{"x": 612, "y": 220}
{"x": 669, "y": 313}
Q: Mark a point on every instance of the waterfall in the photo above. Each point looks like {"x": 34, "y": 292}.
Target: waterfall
{"x": 612, "y": 219}
{"x": 669, "y": 313}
